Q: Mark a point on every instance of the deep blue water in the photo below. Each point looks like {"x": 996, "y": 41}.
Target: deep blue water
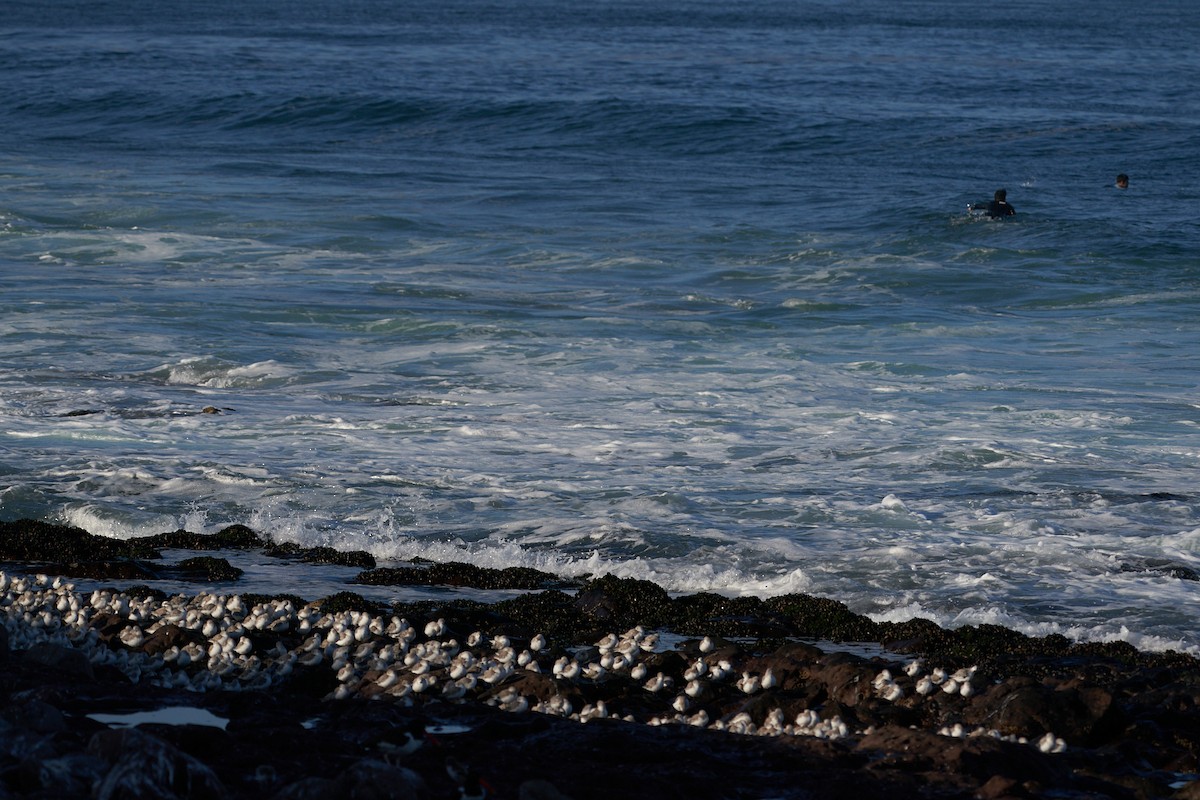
{"x": 678, "y": 290}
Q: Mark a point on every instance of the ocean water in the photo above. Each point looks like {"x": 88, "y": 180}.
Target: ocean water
{"x": 678, "y": 290}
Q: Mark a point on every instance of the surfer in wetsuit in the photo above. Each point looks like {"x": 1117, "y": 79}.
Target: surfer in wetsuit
{"x": 999, "y": 206}
{"x": 1122, "y": 181}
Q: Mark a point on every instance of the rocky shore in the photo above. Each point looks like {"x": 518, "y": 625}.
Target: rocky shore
{"x": 556, "y": 689}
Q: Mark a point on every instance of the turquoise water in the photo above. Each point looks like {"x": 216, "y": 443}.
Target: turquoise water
{"x": 676, "y": 291}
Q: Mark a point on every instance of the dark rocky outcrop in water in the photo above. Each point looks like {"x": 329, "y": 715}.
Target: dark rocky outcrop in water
{"x": 455, "y": 573}
{"x": 65, "y": 550}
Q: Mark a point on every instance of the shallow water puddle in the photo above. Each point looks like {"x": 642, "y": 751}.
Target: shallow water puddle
{"x": 178, "y": 715}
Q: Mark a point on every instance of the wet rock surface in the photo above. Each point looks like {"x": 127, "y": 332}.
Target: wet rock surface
{"x": 610, "y": 686}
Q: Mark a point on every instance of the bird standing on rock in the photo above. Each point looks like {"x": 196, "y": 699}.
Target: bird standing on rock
{"x": 401, "y": 740}
{"x": 470, "y": 785}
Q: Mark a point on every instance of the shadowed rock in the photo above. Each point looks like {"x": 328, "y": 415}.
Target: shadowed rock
{"x": 146, "y": 768}
{"x": 321, "y": 555}
{"x": 623, "y": 602}
{"x": 233, "y": 537}
{"x": 207, "y": 568}
{"x": 32, "y": 541}
{"x": 1162, "y": 566}
{"x": 458, "y": 574}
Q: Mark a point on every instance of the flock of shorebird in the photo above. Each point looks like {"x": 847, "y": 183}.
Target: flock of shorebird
{"x": 242, "y": 647}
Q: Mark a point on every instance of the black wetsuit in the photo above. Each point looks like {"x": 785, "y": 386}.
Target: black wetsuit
{"x": 1000, "y": 208}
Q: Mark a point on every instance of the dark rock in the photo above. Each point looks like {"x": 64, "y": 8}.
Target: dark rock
{"x": 623, "y": 602}
{"x": 376, "y": 780}
{"x": 146, "y": 767}
{"x": 458, "y": 574}
{"x": 311, "y": 682}
{"x": 70, "y": 775}
{"x": 821, "y": 618}
{"x": 66, "y": 661}
{"x": 238, "y": 537}
{"x": 910, "y": 635}
{"x": 310, "y": 789}
{"x": 254, "y": 598}
{"x": 346, "y": 601}
{"x": 142, "y": 591}
{"x": 535, "y": 686}
{"x": 1162, "y": 566}
{"x": 924, "y": 752}
{"x": 35, "y": 716}
{"x": 321, "y": 555}
{"x": 41, "y": 542}
{"x": 987, "y": 644}
{"x": 207, "y": 568}
{"x": 126, "y": 570}
{"x": 168, "y": 636}
{"x": 1024, "y": 707}
{"x": 206, "y": 743}
{"x": 107, "y": 625}
{"x": 706, "y": 613}
{"x": 846, "y": 682}
{"x": 539, "y": 790}
{"x": 233, "y": 537}
{"x": 552, "y": 613}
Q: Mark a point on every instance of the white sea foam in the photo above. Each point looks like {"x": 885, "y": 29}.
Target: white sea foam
{"x": 101, "y": 521}
{"x": 213, "y": 373}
